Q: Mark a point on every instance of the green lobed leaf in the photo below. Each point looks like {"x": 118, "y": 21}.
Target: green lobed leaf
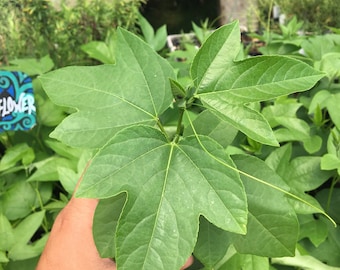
{"x": 168, "y": 187}
{"x": 106, "y": 96}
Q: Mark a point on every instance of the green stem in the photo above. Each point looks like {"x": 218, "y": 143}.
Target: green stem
{"x": 45, "y": 222}
{"x": 160, "y": 126}
{"x": 179, "y": 125}
{"x": 268, "y": 21}
{"x": 330, "y": 194}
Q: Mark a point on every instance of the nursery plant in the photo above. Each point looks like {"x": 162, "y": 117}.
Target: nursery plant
{"x": 169, "y": 181}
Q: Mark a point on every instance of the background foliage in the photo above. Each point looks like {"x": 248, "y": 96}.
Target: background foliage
{"x": 34, "y": 28}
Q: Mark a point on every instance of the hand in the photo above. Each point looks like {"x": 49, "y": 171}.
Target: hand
{"x": 71, "y": 246}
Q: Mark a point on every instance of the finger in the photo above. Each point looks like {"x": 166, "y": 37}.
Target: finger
{"x": 188, "y": 263}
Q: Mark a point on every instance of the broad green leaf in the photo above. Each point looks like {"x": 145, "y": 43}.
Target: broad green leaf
{"x": 216, "y": 55}
{"x": 7, "y": 239}
{"x": 330, "y": 162}
{"x": 225, "y": 85}
{"x": 100, "y": 51}
{"x": 26, "y": 228}
{"x": 315, "y": 230}
{"x": 156, "y": 40}
{"x": 23, "y": 252}
{"x": 31, "y": 66}
{"x": 261, "y": 78}
{"x": 19, "y": 200}
{"x": 63, "y": 150}
{"x": 20, "y": 152}
{"x": 271, "y": 218}
{"x": 110, "y": 97}
{"x": 212, "y": 244}
{"x": 105, "y": 223}
{"x": 47, "y": 169}
{"x": 49, "y": 114}
{"x": 68, "y": 178}
{"x": 317, "y": 46}
{"x": 327, "y": 251}
{"x": 169, "y": 185}
{"x": 245, "y": 119}
{"x": 328, "y": 100}
{"x": 299, "y": 176}
{"x": 305, "y": 174}
{"x": 23, "y": 248}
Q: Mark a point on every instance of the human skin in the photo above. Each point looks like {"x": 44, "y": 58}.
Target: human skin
{"x": 71, "y": 246}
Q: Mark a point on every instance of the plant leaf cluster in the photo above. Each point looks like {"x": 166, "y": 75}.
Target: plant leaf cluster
{"x": 157, "y": 165}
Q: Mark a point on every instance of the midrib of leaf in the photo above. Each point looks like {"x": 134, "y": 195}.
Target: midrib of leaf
{"x": 145, "y": 79}
{"x": 218, "y": 55}
{"x": 172, "y": 145}
{"x": 256, "y": 178}
{"x": 259, "y": 87}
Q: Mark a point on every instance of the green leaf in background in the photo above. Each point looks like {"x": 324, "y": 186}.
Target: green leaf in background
{"x": 329, "y": 100}
{"x": 316, "y": 230}
{"x": 271, "y": 218}
{"x": 47, "y": 169}
{"x": 21, "y": 198}
{"x": 305, "y": 262}
{"x": 176, "y": 182}
{"x": 105, "y": 224}
{"x": 7, "y": 238}
{"x": 106, "y": 96}
{"x": 23, "y": 232}
{"x": 156, "y": 40}
{"x": 20, "y": 152}
{"x": 246, "y": 262}
{"x": 212, "y": 244}
{"x": 300, "y": 174}
{"x": 282, "y": 116}
{"x": 101, "y": 51}
{"x": 31, "y": 66}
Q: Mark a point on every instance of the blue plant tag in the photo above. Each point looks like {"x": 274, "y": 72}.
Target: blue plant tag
{"x": 17, "y": 107}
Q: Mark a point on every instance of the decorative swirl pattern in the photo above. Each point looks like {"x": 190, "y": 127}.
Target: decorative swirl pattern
{"x": 17, "y": 108}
